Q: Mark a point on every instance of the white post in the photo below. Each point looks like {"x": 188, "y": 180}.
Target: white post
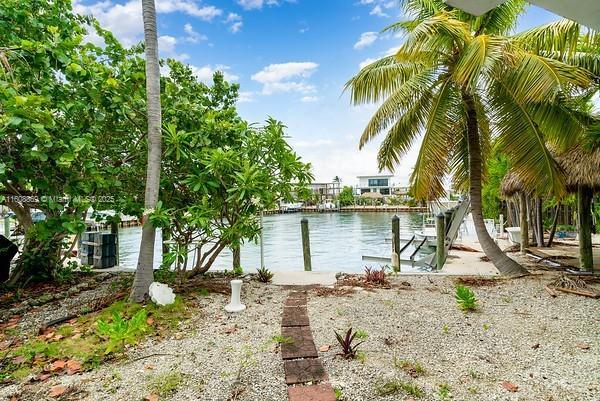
{"x": 235, "y": 305}
{"x": 262, "y": 242}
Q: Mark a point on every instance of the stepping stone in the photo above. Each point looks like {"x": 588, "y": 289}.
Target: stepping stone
{"x": 294, "y": 316}
{"x": 297, "y": 295}
{"x": 302, "y": 345}
{"x": 295, "y": 302}
{"x": 318, "y": 392}
{"x": 303, "y": 371}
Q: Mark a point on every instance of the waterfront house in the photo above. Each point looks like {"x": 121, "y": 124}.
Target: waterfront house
{"x": 325, "y": 191}
{"x": 381, "y": 184}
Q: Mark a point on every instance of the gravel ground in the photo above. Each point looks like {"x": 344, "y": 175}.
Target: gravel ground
{"x": 208, "y": 351}
{"x": 472, "y": 354}
{"x": 216, "y": 354}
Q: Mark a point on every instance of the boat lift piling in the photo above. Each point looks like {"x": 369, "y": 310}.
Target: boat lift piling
{"x": 396, "y": 243}
{"x": 306, "y": 244}
{"x": 440, "y": 223}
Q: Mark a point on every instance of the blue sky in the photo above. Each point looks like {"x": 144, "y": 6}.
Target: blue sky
{"x": 291, "y": 58}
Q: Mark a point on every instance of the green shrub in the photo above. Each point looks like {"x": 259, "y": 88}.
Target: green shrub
{"x": 465, "y": 298}
{"x": 120, "y": 331}
{"x": 264, "y": 275}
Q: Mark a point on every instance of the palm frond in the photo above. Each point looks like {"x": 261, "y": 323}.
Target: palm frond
{"x": 522, "y": 140}
{"x": 381, "y": 78}
{"x": 397, "y": 104}
{"x": 483, "y": 52}
{"x": 560, "y": 36}
{"x": 440, "y": 33}
{"x": 427, "y": 178}
{"x": 500, "y": 20}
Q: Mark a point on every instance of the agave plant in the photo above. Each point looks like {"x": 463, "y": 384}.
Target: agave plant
{"x": 264, "y": 275}
{"x": 348, "y": 348}
{"x": 374, "y": 276}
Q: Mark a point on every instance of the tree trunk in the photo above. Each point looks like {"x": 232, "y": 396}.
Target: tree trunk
{"x": 584, "y": 206}
{"x": 539, "y": 221}
{"x": 145, "y": 269}
{"x": 505, "y": 265}
{"x": 237, "y": 256}
{"x": 523, "y": 223}
{"x": 554, "y": 223}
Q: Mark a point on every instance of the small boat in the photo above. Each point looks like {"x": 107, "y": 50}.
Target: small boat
{"x": 290, "y": 207}
{"x": 429, "y": 234}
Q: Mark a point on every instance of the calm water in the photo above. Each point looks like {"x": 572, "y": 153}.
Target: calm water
{"x": 337, "y": 241}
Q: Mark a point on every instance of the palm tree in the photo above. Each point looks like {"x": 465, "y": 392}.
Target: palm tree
{"x": 461, "y": 82}
{"x": 144, "y": 274}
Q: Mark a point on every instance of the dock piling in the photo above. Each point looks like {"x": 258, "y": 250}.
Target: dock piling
{"x": 440, "y": 222}
{"x": 7, "y": 227}
{"x": 306, "y": 244}
{"x": 396, "y": 243}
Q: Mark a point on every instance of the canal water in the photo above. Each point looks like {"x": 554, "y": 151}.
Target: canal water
{"x": 338, "y": 241}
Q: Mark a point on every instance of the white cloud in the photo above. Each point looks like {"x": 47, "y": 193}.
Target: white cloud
{"x": 236, "y": 22}
{"x": 245, "y": 97}
{"x": 313, "y": 144}
{"x": 205, "y": 73}
{"x": 166, "y": 47}
{"x": 309, "y": 99}
{"x": 286, "y": 77}
{"x": 366, "y": 62}
{"x": 366, "y": 39}
{"x": 378, "y": 11}
{"x": 279, "y": 72}
{"x": 125, "y": 20}
{"x": 258, "y": 4}
{"x": 192, "y": 35}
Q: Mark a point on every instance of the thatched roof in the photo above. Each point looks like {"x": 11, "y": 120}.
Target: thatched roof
{"x": 582, "y": 168}
{"x": 511, "y": 185}
{"x": 372, "y": 195}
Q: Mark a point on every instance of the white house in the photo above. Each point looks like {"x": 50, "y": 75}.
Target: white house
{"x": 381, "y": 183}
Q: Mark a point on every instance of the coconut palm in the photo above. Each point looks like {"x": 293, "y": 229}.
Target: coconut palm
{"x": 459, "y": 82}
{"x": 144, "y": 274}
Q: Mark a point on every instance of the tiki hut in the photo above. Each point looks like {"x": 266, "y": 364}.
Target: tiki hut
{"x": 582, "y": 171}
{"x": 512, "y": 187}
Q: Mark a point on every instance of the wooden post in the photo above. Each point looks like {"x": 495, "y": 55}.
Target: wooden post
{"x": 396, "y": 243}
{"x": 584, "y": 213}
{"x": 440, "y": 222}
{"x": 448, "y": 214}
{"x": 306, "y": 244}
{"x": 7, "y": 227}
{"x": 523, "y": 222}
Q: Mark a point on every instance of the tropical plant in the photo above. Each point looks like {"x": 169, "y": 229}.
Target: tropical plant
{"x": 462, "y": 81}
{"x": 465, "y": 298}
{"x": 264, "y": 275}
{"x": 349, "y": 350}
{"x": 346, "y": 197}
{"x": 121, "y": 331}
{"x": 374, "y": 276}
{"x": 144, "y": 274}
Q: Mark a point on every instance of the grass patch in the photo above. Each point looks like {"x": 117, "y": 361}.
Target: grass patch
{"x": 82, "y": 341}
{"x": 396, "y": 386}
{"x": 165, "y": 384}
{"x": 279, "y": 339}
{"x": 414, "y": 369}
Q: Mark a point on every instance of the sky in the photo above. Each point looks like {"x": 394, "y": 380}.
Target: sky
{"x": 291, "y": 59}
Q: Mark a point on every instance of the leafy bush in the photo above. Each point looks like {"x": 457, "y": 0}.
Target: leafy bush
{"x": 264, "y": 275}
{"x": 374, "y": 276}
{"x": 121, "y": 331}
{"x": 465, "y": 298}
{"x": 348, "y": 348}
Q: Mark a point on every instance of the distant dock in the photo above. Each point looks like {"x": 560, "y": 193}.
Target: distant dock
{"x": 356, "y": 208}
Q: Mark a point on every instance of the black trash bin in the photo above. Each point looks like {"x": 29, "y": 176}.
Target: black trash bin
{"x": 8, "y": 250}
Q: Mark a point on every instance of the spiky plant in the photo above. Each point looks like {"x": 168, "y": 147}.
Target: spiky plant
{"x": 264, "y": 275}
{"x": 374, "y": 276}
{"x": 346, "y": 342}
{"x": 465, "y": 298}
{"x": 459, "y": 83}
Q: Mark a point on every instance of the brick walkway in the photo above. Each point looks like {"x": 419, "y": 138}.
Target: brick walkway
{"x": 304, "y": 372}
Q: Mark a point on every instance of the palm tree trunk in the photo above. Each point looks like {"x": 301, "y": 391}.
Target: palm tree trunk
{"x": 145, "y": 269}
{"x": 523, "y": 222}
{"x": 554, "y": 223}
{"x": 539, "y": 221}
{"x": 584, "y": 212}
{"x": 505, "y": 265}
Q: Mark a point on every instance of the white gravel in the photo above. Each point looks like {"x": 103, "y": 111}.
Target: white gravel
{"x": 471, "y": 353}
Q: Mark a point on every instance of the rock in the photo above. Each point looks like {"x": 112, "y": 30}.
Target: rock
{"x": 161, "y": 294}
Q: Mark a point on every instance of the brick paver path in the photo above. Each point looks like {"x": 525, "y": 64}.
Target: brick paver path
{"x": 300, "y": 358}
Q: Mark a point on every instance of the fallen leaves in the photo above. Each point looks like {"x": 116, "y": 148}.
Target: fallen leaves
{"x": 151, "y": 397}
{"x": 583, "y": 346}
{"x": 57, "y": 391}
{"x": 513, "y": 388}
